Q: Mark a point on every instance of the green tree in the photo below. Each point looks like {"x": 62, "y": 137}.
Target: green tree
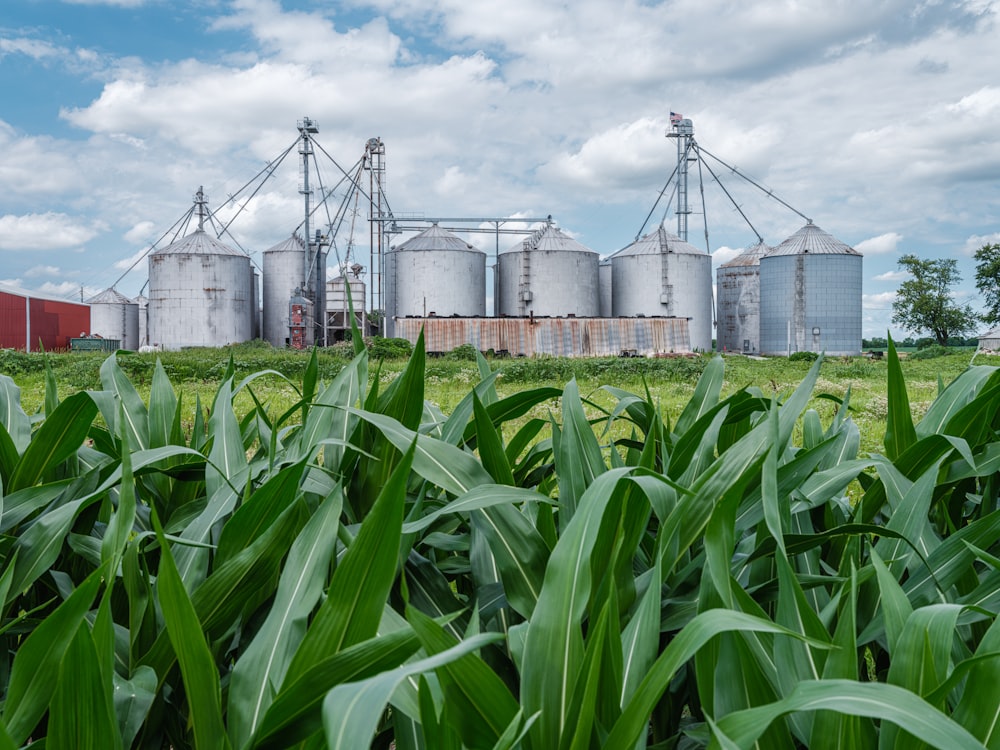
{"x": 988, "y": 280}
{"x": 924, "y": 301}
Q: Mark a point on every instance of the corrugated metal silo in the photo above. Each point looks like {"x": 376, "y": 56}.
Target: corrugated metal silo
{"x": 434, "y": 273}
{"x": 604, "y": 278}
{"x": 199, "y": 293}
{"x": 549, "y": 275}
{"x": 143, "y": 302}
{"x": 337, "y": 308}
{"x": 737, "y": 289}
{"x": 115, "y": 316}
{"x": 661, "y": 275}
{"x": 283, "y": 275}
{"x": 255, "y": 332}
{"x": 810, "y": 295}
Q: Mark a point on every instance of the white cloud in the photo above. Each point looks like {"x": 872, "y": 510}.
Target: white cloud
{"x": 724, "y": 255}
{"x": 892, "y": 276}
{"x": 48, "y": 231}
{"x": 68, "y": 289}
{"x": 880, "y": 301}
{"x": 976, "y": 241}
{"x": 884, "y": 244}
{"x": 41, "y": 271}
{"x": 34, "y": 48}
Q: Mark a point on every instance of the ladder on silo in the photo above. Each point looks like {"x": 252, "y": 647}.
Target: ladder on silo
{"x": 524, "y": 282}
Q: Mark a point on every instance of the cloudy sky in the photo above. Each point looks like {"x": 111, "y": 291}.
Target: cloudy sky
{"x": 877, "y": 119}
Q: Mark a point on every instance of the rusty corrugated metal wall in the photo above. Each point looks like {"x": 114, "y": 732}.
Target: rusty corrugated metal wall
{"x": 561, "y": 337}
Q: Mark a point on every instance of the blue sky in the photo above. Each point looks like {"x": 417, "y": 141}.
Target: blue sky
{"x": 877, "y": 120}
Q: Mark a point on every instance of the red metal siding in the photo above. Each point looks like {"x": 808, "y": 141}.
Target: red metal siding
{"x": 55, "y": 323}
{"x": 12, "y": 319}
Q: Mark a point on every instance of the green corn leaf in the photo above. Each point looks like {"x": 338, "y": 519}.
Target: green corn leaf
{"x": 635, "y": 714}
{"x": 162, "y": 407}
{"x": 484, "y": 707}
{"x": 519, "y": 551}
{"x": 578, "y": 455}
{"x": 351, "y": 712}
{"x": 640, "y": 639}
{"x": 136, "y": 419}
{"x": 60, "y": 435}
{"x": 296, "y": 714}
{"x": 327, "y": 417}
{"x": 490, "y": 445}
{"x": 873, "y": 699}
{"x": 35, "y": 671}
{"x": 81, "y": 714}
{"x": 959, "y": 392}
{"x": 514, "y": 406}
{"x": 484, "y": 496}
{"x": 706, "y": 395}
{"x": 122, "y": 521}
{"x": 12, "y": 416}
{"x": 553, "y": 650}
{"x": 198, "y": 671}
{"x": 457, "y": 423}
{"x": 360, "y": 584}
{"x": 899, "y": 431}
{"x": 133, "y": 698}
{"x": 978, "y": 710}
{"x": 261, "y": 668}
{"x": 444, "y": 465}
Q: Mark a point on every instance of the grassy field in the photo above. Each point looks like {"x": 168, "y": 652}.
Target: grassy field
{"x": 671, "y": 382}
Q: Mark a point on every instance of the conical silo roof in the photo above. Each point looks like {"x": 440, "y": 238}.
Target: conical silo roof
{"x": 199, "y": 242}
{"x": 656, "y": 242}
{"x": 812, "y": 240}
{"x": 749, "y": 257}
{"x": 110, "y": 296}
{"x": 549, "y": 239}
{"x": 292, "y": 244}
{"x": 435, "y": 238}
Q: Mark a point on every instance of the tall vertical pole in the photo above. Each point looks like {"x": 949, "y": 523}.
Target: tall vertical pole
{"x": 685, "y": 134}
{"x": 376, "y": 166}
{"x": 312, "y": 281}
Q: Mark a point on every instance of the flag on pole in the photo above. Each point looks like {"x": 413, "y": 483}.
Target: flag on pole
{"x": 675, "y": 117}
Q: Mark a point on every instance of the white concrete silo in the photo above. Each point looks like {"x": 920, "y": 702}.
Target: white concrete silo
{"x": 661, "y": 275}
{"x": 810, "y": 295}
{"x": 115, "y": 316}
{"x": 737, "y": 290}
{"x": 434, "y": 273}
{"x": 549, "y": 275}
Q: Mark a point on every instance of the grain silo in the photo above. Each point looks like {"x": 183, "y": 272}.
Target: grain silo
{"x": 143, "y": 303}
{"x": 810, "y": 295}
{"x": 737, "y": 290}
{"x": 604, "y": 279}
{"x": 199, "y": 292}
{"x": 549, "y": 275}
{"x": 661, "y": 275}
{"x": 338, "y": 310}
{"x": 434, "y": 273}
{"x": 115, "y": 316}
{"x": 283, "y": 276}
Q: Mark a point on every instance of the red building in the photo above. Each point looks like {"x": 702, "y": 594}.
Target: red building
{"x": 31, "y": 321}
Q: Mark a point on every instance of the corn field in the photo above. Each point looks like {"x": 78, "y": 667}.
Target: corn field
{"x": 363, "y": 570}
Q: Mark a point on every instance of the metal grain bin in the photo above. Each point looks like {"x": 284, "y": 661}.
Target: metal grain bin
{"x": 737, "y": 290}
{"x": 115, "y": 316}
{"x": 434, "y": 273}
{"x": 199, "y": 294}
{"x": 810, "y": 295}
{"x": 283, "y": 275}
{"x": 604, "y": 280}
{"x": 549, "y": 275}
{"x": 143, "y": 303}
{"x": 661, "y": 275}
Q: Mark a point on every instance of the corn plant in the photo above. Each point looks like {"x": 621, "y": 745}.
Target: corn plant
{"x": 362, "y": 569}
